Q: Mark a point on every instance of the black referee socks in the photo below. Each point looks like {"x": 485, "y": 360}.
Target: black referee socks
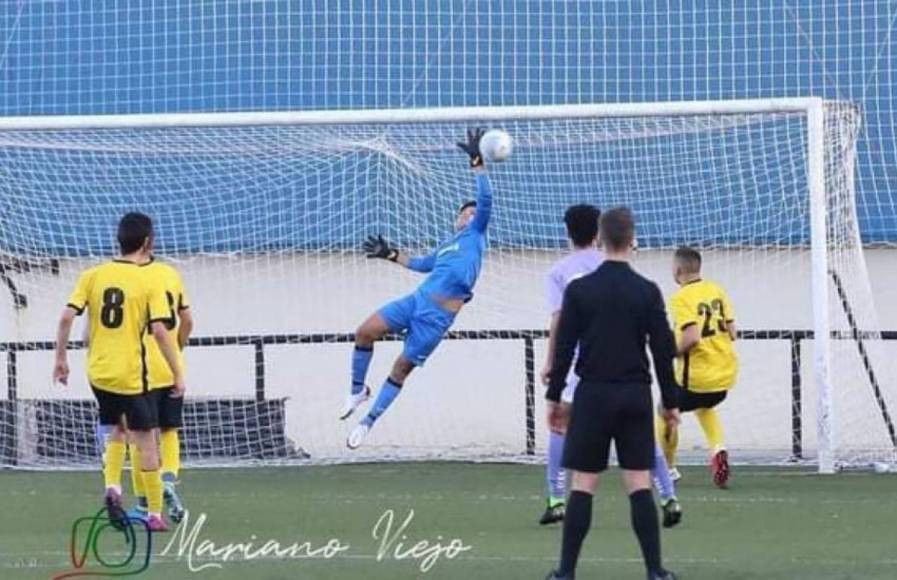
{"x": 577, "y": 521}
{"x": 644, "y": 522}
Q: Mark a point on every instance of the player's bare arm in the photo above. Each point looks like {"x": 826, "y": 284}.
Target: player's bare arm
{"x": 732, "y": 330}
{"x": 185, "y": 328}
{"x": 691, "y": 336}
{"x": 558, "y": 416}
{"x": 552, "y": 333}
{"x": 63, "y": 332}
{"x": 569, "y": 332}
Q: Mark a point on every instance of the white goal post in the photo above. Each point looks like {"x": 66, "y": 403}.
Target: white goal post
{"x": 650, "y": 131}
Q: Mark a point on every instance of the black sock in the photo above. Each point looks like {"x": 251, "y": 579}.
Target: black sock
{"x": 647, "y": 530}
{"x": 577, "y": 521}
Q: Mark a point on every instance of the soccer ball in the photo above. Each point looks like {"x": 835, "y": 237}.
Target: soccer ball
{"x": 496, "y": 145}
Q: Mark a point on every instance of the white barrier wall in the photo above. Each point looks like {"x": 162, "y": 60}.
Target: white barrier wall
{"x": 470, "y": 395}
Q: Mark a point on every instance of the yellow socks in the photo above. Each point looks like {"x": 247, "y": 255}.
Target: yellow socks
{"x": 710, "y": 424}
{"x": 712, "y": 427}
{"x": 113, "y": 463}
{"x": 152, "y": 484}
{"x": 136, "y": 473}
{"x": 148, "y": 485}
{"x": 668, "y": 439}
{"x": 170, "y": 451}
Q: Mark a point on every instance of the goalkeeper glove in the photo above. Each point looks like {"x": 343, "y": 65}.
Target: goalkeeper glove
{"x": 377, "y": 247}
{"x": 472, "y": 147}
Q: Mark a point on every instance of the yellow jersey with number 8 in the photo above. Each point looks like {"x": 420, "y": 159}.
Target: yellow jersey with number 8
{"x": 160, "y": 375}
{"x": 712, "y": 365}
{"x": 121, "y": 300}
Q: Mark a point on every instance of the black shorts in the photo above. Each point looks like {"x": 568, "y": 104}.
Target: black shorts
{"x": 690, "y": 400}
{"x": 169, "y": 409}
{"x": 602, "y": 413}
{"x": 138, "y": 410}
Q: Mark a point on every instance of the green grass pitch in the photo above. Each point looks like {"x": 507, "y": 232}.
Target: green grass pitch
{"x": 786, "y": 524}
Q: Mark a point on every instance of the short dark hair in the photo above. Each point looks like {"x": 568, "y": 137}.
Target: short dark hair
{"x": 689, "y": 259}
{"x": 467, "y": 204}
{"x": 582, "y": 224}
{"x": 617, "y": 229}
{"x": 133, "y": 230}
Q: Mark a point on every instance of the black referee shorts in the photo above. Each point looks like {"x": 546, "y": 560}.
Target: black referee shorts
{"x": 690, "y": 400}
{"x": 169, "y": 409}
{"x": 602, "y": 413}
{"x": 138, "y": 410}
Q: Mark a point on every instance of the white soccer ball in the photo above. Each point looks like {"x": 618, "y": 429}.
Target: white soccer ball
{"x": 496, "y": 145}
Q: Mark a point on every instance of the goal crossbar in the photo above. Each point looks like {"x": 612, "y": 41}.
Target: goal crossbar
{"x": 419, "y": 115}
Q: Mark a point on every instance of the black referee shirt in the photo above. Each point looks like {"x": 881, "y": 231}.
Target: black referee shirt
{"x": 611, "y": 314}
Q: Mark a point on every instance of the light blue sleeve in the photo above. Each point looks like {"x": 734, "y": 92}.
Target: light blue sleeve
{"x": 484, "y": 203}
{"x": 422, "y": 264}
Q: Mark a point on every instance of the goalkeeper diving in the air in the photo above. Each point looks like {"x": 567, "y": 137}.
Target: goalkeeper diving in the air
{"x": 426, "y": 314}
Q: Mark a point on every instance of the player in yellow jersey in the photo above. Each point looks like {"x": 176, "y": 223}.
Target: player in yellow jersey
{"x": 706, "y": 362}
{"x": 122, "y": 301}
{"x": 161, "y": 384}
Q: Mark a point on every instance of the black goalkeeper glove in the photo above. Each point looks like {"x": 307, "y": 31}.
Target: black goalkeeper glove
{"x": 377, "y": 247}
{"x": 472, "y": 147}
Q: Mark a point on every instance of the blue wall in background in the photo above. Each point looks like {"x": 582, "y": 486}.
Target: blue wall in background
{"x": 78, "y": 57}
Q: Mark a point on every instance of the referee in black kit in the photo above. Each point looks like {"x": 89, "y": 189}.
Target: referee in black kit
{"x": 611, "y": 314}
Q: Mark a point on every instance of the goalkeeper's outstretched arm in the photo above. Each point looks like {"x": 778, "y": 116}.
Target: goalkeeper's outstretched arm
{"x": 484, "y": 201}
{"x": 378, "y": 247}
{"x": 484, "y": 188}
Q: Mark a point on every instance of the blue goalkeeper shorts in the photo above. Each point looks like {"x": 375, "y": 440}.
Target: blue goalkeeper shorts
{"x": 423, "y": 321}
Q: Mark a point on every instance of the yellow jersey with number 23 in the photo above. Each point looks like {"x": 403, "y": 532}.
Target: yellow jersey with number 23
{"x": 712, "y": 364}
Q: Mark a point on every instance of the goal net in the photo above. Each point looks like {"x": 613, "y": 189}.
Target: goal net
{"x": 264, "y": 215}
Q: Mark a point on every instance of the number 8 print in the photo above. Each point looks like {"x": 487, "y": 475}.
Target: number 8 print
{"x": 112, "y": 315}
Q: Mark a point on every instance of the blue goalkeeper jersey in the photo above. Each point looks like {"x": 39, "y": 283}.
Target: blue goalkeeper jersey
{"x": 454, "y": 265}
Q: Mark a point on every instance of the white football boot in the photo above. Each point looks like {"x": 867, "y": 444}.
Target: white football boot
{"x": 355, "y": 401}
{"x": 356, "y": 437}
